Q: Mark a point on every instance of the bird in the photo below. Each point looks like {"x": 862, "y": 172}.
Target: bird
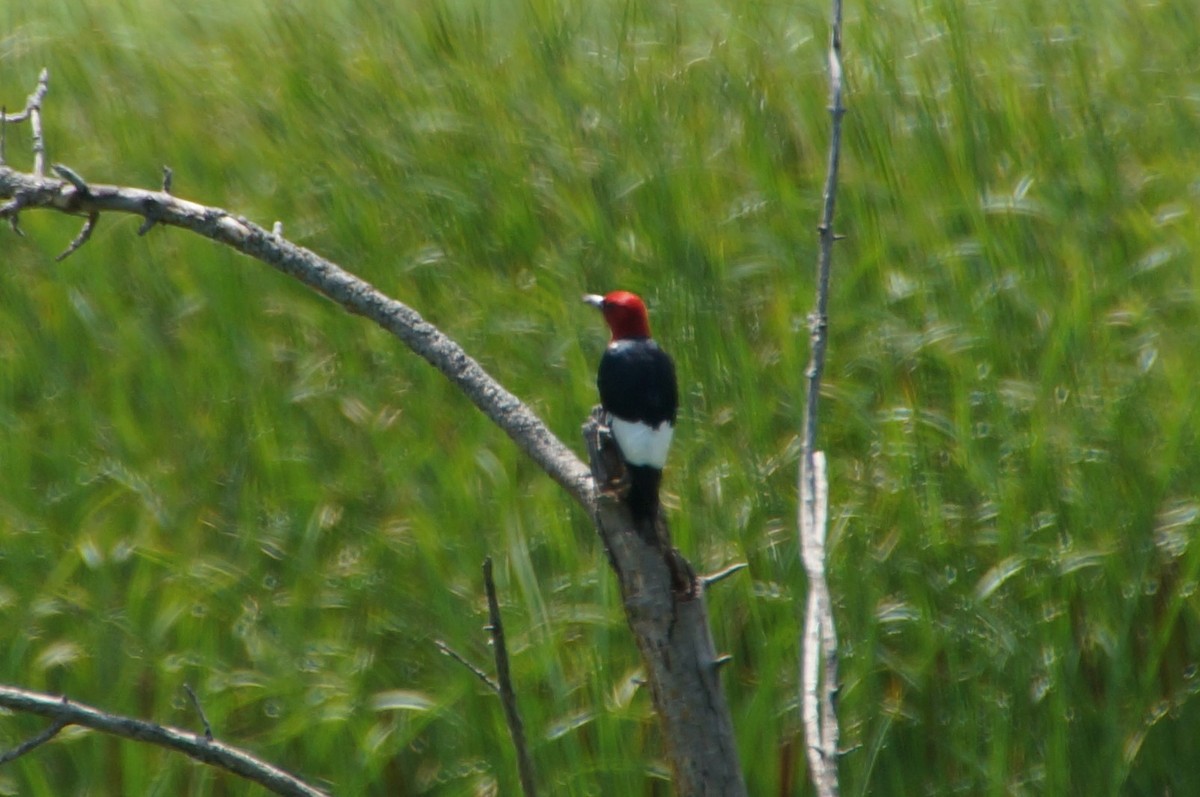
{"x": 639, "y": 392}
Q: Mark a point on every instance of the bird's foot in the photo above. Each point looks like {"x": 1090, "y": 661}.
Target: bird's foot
{"x": 608, "y": 468}
{"x": 683, "y": 576}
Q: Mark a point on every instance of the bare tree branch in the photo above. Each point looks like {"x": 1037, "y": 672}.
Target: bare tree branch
{"x": 84, "y": 235}
{"x": 663, "y": 598}
{"x": 33, "y": 113}
{"x": 33, "y": 742}
{"x": 216, "y": 754}
{"x": 508, "y": 697}
{"x": 208, "y": 735}
{"x": 28, "y": 192}
{"x": 464, "y": 661}
{"x": 74, "y": 196}
{"x": 502, "y": 686}
{"x": 819, "y": 670}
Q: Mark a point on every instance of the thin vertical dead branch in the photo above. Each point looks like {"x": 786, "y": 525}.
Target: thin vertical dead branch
{"x": 508, "y": 697}
{"x": 32, "y": 112}
{"x": 819, "y": 666}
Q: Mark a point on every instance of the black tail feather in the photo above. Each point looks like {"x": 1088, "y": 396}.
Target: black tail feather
{"x": 643, "y": 491}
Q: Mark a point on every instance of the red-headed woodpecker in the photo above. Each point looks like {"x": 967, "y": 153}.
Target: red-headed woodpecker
{"x": 638, "y": 391}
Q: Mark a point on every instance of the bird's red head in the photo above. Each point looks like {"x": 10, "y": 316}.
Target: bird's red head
{"x": 624, "y": 312}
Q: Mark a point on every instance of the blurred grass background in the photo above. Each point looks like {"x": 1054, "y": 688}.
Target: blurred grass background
{"x": 209, "y": 476}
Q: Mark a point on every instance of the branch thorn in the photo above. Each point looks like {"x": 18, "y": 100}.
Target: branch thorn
{"x": 11, "y": 210}
{"x": 720, "y": 575}
{"x": 84, "y": 234}
{"x": 72, "y": 177}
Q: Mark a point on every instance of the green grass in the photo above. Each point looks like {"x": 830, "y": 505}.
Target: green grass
{"x": 209, "y": 476}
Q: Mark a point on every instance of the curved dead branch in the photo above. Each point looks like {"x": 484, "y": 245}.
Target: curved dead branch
{"x": 664, "y": 600}
{"x": 65, "y": 712}
{"x": 73, "y": 195}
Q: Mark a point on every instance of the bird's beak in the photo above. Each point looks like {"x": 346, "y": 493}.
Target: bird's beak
{"x": 595, "y": 300}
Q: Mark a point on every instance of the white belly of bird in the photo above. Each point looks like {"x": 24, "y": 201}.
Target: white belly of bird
{"x": 642, "y": 444}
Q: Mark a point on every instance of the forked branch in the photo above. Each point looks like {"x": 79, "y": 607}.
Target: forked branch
{"x": 508, "y": 695}
{"x": 502, "y": 685}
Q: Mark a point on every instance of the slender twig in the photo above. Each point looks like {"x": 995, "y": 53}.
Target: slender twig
{"x": 85, "y": 233}
{"x": 199, "y": 710}
{"x": 34, "y": 100}
{"x": 33, "y": 108}
{"x": 151, "y": 218}
{"x": 464, "y": 661}
{"x": 502, "y": 686}
{"x": 214, "y": 753}
{"x": 36, "y": 741}
{"x": 508, "y": 697}
{"x": 32, "y": 112}
{"x": 819, "y": 669}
